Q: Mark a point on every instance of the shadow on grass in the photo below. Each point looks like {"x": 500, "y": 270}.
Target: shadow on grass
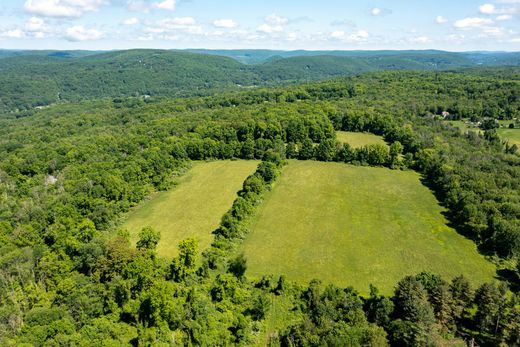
{"x": 450, "y": 216}
{"x": 506, "y": 275}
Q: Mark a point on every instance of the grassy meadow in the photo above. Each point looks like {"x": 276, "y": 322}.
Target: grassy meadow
{"x": 356, "y": 140}
{"x": 194, "y": 207}
{"x": 512, "y": 135}
{"x": 353, "y": 225}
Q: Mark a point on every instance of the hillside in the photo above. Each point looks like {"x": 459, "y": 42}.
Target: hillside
{"x": 323, "y": 215}
{"x": 257, "y": 56}
{"x": 177, "y": 214}
{"x": 37, "y": 78}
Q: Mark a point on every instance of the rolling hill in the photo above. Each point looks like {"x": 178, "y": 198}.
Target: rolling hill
{"x": 37, "y": 78}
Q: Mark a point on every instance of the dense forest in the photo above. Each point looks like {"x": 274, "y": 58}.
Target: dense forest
{"x": 69, "y": 172}
{"x": 37, "y": 78}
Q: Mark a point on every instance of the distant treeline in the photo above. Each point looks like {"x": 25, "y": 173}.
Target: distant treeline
{"x": 37, "y": 78}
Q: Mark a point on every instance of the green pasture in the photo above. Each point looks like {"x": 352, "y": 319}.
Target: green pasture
{"x": 194, "y": 207}
{"x": 356, "y": 140}
{"x": 511, "y": 135}
{"x": 353, "y": 225}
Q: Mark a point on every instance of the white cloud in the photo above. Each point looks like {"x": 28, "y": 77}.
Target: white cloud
{"x": 292, "y": 37}
{"x": 62, "y": 8}
{"x": 170, "y": 27}
{"x": 275, "y": 19}
{"x": 420, "y": 39}
{"x": 487, "y": 9}
{"x": 493, "y": 31}
{"x": 361, "y": 34}
{"x": 34, "y": 28}
{"x": 171, "y": 37}
{"x": 130, "y": 21}
{"x": 193, "y": 30}
{"x": 180, "y": 21}
{"x": 358, "y": 36}
{"x": 273, "y": 24}
{"x": 269, "y": 29}
{"x": 441, "y": 20}
{"x": 13, "y": 34}
{"x": 338, "y": 34}
{"x": 80, "y": 33}
{"x": 137, "y": 6}
{"x": 34, "y": 24}
{"x": 503, "y": 17}
{"x": 147, "y": 37}
{"x": 456, "y": 38}
{"x": 165, "y": 5}
{"x": 225, "y": 23}
{"x": 376, "y": 11}
{"x": 491, "y": 9}
{"x": 472, "y": 22}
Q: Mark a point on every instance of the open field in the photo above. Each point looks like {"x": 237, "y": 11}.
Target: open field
{"x": 512, "y": 135}
{"x": 357, "y": 140}
{"x": 354, "y": 225}
{"x": 194, "y": 207}
{"x": 461, "y": 124}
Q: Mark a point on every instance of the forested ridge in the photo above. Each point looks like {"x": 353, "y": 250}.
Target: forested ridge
{"x": 31, "y": 79}
{"x": 69, "y": 172}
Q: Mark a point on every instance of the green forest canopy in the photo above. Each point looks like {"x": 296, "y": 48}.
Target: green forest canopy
{"x": 70, "y": 171}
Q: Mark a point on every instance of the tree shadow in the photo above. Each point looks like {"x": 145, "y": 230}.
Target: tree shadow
{"x": 510, "y": 277}
{"x": 450, "y": 216}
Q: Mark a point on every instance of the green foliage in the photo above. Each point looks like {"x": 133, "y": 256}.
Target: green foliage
{"x": 34, "y": 79}
{"x": 148, "y": 239}
{"x": 185, "y": 264}
{"x": 68, "y": 172}
{"x": 238, "y": 266}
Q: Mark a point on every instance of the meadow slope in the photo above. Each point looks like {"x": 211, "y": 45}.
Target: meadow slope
{"x": 357, "y": 139}
{"x": 194, "y": 207}
{"x": 352, "y": 225}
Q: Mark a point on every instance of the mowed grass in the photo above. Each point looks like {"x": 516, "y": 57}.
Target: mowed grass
{"x": 194, "y": 207}
{"x": 511, "y": 135}
{"x": 357, "y": 140}
{"x": 352, "y": 225}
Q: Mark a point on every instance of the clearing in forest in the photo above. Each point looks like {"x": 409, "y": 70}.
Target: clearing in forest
{"x": 356, "y": 140}
{"x": 511, "y": 135}
{"x": 194, "y": 207}
{"x": 351, "y": 225}
{"x": 505, "y": 133}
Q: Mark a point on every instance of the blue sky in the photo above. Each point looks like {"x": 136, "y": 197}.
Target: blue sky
{"x": 455, "y": 25}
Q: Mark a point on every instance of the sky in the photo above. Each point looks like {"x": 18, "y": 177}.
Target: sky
{"x": 453, "y": 25}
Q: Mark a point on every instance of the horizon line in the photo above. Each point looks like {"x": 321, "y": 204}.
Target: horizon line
{"x": 259, "y": 49}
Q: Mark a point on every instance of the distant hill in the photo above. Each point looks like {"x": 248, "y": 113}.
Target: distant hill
{"x": 316, "y": 67}
{"x": 254, "y": 56}
{"x": 34, "y": 80}
{"x": 7, "y": 53}
{"x": 37, "y": 78}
